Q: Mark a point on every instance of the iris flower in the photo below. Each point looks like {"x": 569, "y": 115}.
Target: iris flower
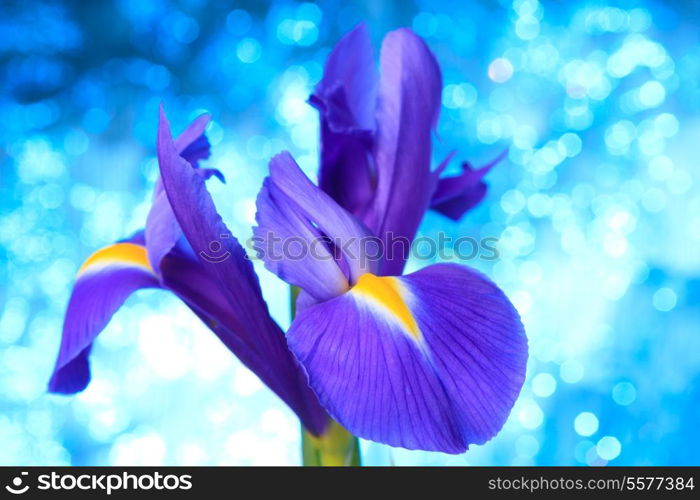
{"x": 432, "y": 360}
{"x": 224, "y": 294}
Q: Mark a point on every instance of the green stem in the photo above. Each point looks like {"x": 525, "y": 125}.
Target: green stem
{"x": 336, "y": 446}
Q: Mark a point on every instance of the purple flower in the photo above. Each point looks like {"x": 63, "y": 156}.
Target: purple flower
{"x": 433, "y": 360}
{"x": 225, "y": 294}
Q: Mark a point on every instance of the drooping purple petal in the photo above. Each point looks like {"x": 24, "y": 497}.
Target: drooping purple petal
{"x": 433, "y": 360}
{"x": 454, "y": 196}
{"x": 104, "y": 282}
{"x": 237, "y": 282}
{"x": 346, "y": 99}
{"x": 408, "y": 107}
{"x": 182, "y": 273}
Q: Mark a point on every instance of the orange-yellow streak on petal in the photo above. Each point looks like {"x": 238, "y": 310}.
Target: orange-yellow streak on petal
{"x": 388, "y": 292}
{"x": 124, "y": 254}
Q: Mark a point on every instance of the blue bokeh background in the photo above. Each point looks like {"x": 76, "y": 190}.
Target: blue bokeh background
{"x": 597, "y": 211}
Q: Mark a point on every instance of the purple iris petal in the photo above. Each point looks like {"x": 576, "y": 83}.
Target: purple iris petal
{"x": 351, "y": 66}
{"x": 162, "y": 230}
{"x": 185, "y": 276}
{"x": 282, "y": 233}
{"x": 433, "y": 360}
{"x": 192, "y": 144}
{"x": 454, "y": 196}
{"x": 409, "y": 103}
{"x": 224, "y": 293}
{"x": 332, "y": 220}
{"x": 106, "y": 280}
{"x": 235, "y": 279}
{"x": 346, "y": 100}
{"x": 376, "y": 139}
{"x": 290, "y": 206}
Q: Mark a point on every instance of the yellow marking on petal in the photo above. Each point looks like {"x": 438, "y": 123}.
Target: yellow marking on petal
{"x": 388, "y": 292}
{"x": 129, "y": 254}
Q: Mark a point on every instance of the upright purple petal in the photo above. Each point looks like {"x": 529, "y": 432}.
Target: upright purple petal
{"x": 409, "y": 103}
{"x": 351, "y": 65}
{"x": 346, "y": 99}
{"x": 162, "y": 230}
{"x": 104, "y": 282}
{"x": 236, "y": 280}
{"x": 433, "y": 360}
